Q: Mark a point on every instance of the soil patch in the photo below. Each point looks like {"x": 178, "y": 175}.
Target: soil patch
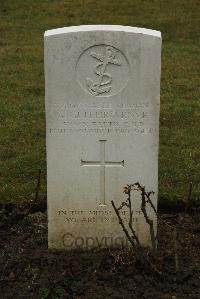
{"x": 29, "y": 270}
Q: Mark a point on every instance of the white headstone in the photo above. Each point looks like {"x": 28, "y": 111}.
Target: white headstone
{"x": 102, "y": 86}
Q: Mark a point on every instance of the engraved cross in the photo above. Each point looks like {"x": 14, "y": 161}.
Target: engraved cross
{"x": 102, "y": 164}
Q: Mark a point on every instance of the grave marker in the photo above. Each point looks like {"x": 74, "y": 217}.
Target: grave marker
{"x": 102, "y": 86}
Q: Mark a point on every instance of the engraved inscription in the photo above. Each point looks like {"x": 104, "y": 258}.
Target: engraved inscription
{"x": 102, "y": 70}
{"x": 96, "y": 216}
{"x": 100, "y": 118}
{"x": 102, "y": 164}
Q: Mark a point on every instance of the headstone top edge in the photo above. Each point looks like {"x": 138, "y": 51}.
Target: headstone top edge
{"x": 84, "y": 28}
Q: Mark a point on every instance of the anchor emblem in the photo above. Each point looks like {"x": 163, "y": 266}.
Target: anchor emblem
{"x": 103, "y": 84}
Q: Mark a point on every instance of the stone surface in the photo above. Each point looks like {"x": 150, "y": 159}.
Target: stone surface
{"x": 102, "y": 88}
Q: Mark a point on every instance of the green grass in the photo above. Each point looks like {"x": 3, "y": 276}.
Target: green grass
{"x": 22, "y": 139}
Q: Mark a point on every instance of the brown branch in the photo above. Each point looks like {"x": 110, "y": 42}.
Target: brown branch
{"x": 144, "y": 195}
{"x": 150, "y": 201}
{"x": 164, "y": 221}
{"x": 190, "y": 192}
{"x": 124, "y": 204}
{"x": 131, "y": 219}
{"x": 122, "y": 224}
{"x": 187, "y": 205}
{"x": 38, "y": 185}
{"x": 176, "y": 257}
{"x": 133, "y": 238}
{"x": 148, "y": 220}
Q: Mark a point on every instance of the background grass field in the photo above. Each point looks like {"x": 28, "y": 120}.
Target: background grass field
{"x": 22, "y": 131}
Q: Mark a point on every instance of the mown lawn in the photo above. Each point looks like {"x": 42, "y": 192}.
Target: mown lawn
{"x": 22, "y": 131}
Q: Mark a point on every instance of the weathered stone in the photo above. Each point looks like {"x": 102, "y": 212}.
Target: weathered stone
{"x": 102, "y": 121}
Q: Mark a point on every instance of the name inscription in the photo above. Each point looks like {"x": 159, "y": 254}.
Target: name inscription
{"x": 96, "y": 118}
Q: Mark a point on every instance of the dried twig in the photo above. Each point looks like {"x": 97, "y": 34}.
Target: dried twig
{"x": 176, "y": 257}
{"x": 164, "y": 221}
{"x": 122, "y": 225}
{"x": 38, "y": 185}
{"x": 124, "y": 204}
{"x": 131, "y": 217}
{"x": 187, "y": 205}
{"x": 149, "y": 200}
{"x": 133, "y": 239}
{"x": 145, "y": 197}
{"x": 189, "y": 192}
